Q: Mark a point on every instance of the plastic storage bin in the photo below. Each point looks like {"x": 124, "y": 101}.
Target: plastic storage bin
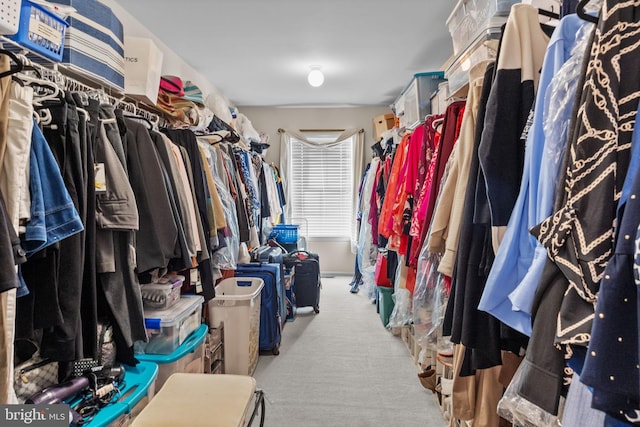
{"x": 163, "y": 294}
{"x": 9, "y": 16}
{"x": 237, "y": 307}
{"x": 167, "y": 329}
{"x": 471, "y": 18}
{"x": 458, "y": 72}
{"x": 188, "y": 358}
{"x": 139, "y": 389}
{"x": 414, "y": 102}
{"x": 385, "y": 304}
{"x": 285, "y": 233}
{"x": 41, "y": 31}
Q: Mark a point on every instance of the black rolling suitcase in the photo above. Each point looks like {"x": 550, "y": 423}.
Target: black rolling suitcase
{"x": 305, "y": 272}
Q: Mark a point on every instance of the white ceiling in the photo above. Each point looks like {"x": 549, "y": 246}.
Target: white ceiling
{"x": 258, "y": 52}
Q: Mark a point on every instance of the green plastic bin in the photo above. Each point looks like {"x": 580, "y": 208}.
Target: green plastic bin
{"x": 385, "y": 303}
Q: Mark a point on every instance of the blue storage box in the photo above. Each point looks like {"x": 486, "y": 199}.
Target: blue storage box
{"x": 41, "y": 31}
{"x": 139, "y": 389}
{"x": 187, "y": 358}
{"x": 94, "y": 43}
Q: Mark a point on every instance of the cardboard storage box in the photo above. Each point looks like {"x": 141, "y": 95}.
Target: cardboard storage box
{"x": 382, "y": 123}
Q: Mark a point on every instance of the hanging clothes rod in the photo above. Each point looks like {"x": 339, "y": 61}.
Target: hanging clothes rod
{"x": 321, "y": 130}
{"x": 74, "y": 85}
{"x": 280, "y": 130}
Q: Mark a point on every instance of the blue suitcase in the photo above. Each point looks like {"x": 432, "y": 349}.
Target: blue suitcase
{"x": 274, "y": 255}
{"x": 272, "y": 294}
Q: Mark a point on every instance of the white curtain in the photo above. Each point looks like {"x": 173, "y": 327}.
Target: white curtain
{"x": 286, "y": 136}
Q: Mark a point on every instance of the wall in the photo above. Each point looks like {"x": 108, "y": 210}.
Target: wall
{"x": 335, "y": 256}
{"x": 172, "y": 63}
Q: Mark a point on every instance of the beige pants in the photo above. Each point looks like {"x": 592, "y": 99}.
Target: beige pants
{"x": 14, "y": 175}
{"x": 475, "y": 398}
{"x": 8, "y": 298}
{"x": 5, "y": 83}
{"x": 7, "y": 332}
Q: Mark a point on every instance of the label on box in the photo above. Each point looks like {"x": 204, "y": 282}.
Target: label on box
{"x": 189, "y": 325}
{"x": 100, "y": 178}
{"x": 195, "y": 280}
{"x": 48, "y": 33}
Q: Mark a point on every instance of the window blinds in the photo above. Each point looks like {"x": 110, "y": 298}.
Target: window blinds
{"x": 321, "y": 184}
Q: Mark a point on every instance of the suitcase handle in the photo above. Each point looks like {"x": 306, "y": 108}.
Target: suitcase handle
{"x": 274, "y": 244}
{"x": 298, "y": 254}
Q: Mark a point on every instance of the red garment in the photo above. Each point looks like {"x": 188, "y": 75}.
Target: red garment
{"x": 400, "y": 239}
{"x": 450, "y": 132}
{"x": 426, "y": 166}
{"x": 385, "y": 224}
{"x": 412, "y": 272}
{"x": 414, "y": 161}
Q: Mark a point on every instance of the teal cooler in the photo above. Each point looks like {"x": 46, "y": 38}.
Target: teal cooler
{"x": 138, "y": 390}
{"x": 187, "y": 358}
{"x": 385, "y": 303}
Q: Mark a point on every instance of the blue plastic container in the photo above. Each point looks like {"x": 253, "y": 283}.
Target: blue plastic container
{"x": 285, "y": 233}
{"x": 187, "y": 358}
{"x": 41, "y": 31}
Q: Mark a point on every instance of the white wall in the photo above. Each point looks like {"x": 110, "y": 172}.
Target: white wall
{"x": 172, "y": 63}
{"x": 335, "y": 256}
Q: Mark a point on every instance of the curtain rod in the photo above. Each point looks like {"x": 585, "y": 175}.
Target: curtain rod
{"x": 280, "y": 130}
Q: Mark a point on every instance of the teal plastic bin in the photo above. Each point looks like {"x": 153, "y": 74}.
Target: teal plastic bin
{"x": 138, "y": 390}
{"x": 385, "y": 304}
{"x": 187, "y": 358}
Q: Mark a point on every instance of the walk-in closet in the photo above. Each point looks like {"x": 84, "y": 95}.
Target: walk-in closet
{"x": 301, "y": 214}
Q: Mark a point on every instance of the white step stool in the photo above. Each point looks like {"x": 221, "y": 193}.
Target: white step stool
{"x": 196, "y": 400}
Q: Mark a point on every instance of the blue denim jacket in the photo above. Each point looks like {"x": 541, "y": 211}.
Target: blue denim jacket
{"x": 53, "y": 215}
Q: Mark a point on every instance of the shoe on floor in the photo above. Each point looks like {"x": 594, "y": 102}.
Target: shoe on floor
{"x": 428, "y": 379}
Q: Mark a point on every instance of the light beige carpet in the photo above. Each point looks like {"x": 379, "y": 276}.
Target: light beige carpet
{"x": 341, "y": 367}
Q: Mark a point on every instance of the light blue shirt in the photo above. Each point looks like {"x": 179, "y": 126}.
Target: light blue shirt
{"x": 518, "y": 265}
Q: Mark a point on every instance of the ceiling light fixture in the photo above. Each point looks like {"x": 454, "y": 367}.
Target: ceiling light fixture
{"x": 315, "y": 77}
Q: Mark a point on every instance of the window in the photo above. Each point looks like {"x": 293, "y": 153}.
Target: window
{"x": 321, "y": 184}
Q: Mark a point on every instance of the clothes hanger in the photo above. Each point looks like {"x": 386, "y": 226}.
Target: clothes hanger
{"x": 548, "y": 13}
{"x": 437, "y": 123}
{"x": 44, "y": 117}
{"x": 53, "y": 90}
{"x": 85, "y": 112}
{"x": 18, "y": 67}
{"x": 140, "y": 118}
{"x": 583, "y": 14}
